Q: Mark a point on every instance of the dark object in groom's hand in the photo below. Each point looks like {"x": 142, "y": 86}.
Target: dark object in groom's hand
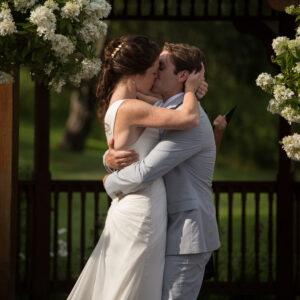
{"x": 229, "y": 115}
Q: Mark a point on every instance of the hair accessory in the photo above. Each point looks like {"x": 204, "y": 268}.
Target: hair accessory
{"x": 117, "y": 49}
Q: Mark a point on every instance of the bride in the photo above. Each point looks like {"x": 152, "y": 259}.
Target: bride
{"x": 128, "y": 261}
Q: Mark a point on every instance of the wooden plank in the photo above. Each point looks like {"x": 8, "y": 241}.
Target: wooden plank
{"x": 9, "y": 99}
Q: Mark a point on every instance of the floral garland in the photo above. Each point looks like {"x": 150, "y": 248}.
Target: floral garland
{"x": 285, "y": 87}
{"x": 56, "y": 39}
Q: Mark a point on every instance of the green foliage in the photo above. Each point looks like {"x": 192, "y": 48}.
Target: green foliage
{"x": 285, "y": 87}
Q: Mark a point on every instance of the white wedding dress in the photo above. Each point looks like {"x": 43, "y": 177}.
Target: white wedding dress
{"x": 128, "y": 261}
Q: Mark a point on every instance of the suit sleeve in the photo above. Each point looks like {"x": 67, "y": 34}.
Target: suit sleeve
{"x": 176, "y": 147}
{"x": 108, "y": 169}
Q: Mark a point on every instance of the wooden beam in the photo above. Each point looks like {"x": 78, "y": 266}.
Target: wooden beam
{"x": 42, "y": 197}
{"x": 9, "y": 133}
{"x": 280, "y": 5}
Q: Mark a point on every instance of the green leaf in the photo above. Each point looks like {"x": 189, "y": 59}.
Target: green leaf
{"x": 25, "y": 52}
{"x": 69, "y": 28}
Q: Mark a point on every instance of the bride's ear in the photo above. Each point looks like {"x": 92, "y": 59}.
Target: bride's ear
{"x": 183, "y": 75}
{"x": 132, "y": 79}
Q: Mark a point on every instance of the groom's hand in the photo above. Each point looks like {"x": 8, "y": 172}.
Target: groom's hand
{"x": 104, "y": 178}
{"x": 119, "y": 159}
{"x": 219, "y": 125}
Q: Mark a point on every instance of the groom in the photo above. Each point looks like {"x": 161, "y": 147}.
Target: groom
{"x": 186, "y": 160}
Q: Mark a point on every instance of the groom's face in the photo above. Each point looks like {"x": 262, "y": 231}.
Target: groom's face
{"x": 166, "y": 81}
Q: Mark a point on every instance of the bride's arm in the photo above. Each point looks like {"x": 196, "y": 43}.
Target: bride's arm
{"x": 149, "y": 98}
{"x": 141, "y": 114}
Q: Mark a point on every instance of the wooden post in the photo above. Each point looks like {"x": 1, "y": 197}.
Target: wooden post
{"x": 9, "y": 134}
{"x": 42, "y": 197}
{"x": 285, "y": 202}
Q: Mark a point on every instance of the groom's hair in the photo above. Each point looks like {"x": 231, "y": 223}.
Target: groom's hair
{"x": 185, "y": 57}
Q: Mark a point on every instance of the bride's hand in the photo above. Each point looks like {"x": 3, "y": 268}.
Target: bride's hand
{"x": 195, "y": 80}
{"x": 150, "y": 98}
{"x": 202, "y": 90}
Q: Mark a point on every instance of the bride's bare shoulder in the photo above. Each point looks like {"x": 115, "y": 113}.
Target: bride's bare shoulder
{"x": 129, "y": 105}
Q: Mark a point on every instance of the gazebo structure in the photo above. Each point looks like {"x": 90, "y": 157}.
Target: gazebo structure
{"x": 283, "y": 242}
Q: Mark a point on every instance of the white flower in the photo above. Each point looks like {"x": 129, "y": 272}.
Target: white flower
{"x": 5, "y": 78}
{"x": 92, "y": 31}
{"x": 48, "y": 68}
{"x": 294, "y": 44}
{"x": 7, "y": 27}
{"x": 90, "y": 68}
{"x": 51, "y": 4}
{"x": 279, "y": 76}
{"x": 76, "y": 79}
{"x": 61, "y": 230}
{"x": 62, "y": 248}
{"x": 282, "y": 93}
{"x": 71, "y": 10}
{"x": 291, "y": 145}
{"x": 98, "y": 9}
{"x": 280, "y": 44}
{"x": 265, "y": 81}
{"x": 290, "y": 9}
{"x": 7, "y": 24}
{"x": 24, "y": 5}
{"x": 274, "y": 107}
{"x": 4, "y": 5}
{"x": 61, "y": 45}
{"x": 296, "y": 68}
{"x": 291, "y": 114}
{"x": 45, "y": 20}
{"x": 58, "y": 84}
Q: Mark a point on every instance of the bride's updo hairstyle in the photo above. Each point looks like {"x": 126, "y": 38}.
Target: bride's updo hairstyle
{"x": 124, "y": 56}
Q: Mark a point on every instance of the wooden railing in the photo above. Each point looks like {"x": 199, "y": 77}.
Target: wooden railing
{"x": 246, "y": 213}
{"x": 192, "y": 10}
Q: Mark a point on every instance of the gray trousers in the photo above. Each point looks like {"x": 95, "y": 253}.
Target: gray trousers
{"x": 183, "y": 276}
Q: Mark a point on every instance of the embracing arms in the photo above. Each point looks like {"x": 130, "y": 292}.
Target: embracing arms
{"x": 136, "y": 113}
{"x": 167, "y": 154}
{"x": 118, "y": 159}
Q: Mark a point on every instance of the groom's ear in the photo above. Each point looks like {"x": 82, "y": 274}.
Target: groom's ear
{"x": 183, "y": 76}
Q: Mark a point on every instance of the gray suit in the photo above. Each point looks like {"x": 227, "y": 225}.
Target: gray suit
{"x": 186, "y": 160}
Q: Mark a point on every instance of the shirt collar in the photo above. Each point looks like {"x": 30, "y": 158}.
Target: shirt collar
{"x": 165, "y": 104}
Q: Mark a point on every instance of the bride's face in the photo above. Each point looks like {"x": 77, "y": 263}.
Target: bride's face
{"x": 145, "y": 82}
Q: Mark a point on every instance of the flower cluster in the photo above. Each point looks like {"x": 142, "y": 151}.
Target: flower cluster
{"x": 291, "y": 145}
{"x": 285, "y": 87}
{"x": 56, "y": 39}
{"x": 7, "y": 25}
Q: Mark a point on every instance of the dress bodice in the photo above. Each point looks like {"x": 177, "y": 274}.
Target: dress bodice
{"x": 147, "y": 140}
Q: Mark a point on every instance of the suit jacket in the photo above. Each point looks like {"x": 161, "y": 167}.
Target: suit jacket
{"x": 186, "y": 160}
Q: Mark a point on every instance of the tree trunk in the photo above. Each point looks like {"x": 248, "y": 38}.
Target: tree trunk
{"x": 82, "y": 111}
